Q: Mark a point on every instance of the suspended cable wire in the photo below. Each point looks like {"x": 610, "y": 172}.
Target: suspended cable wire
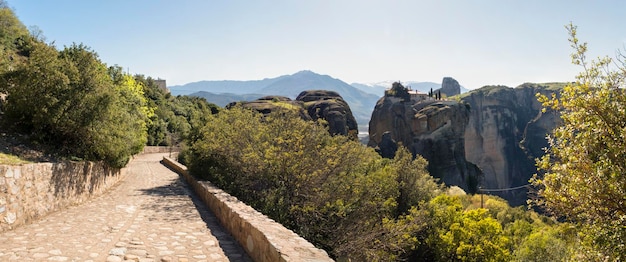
{"x": 502, "y": 189}
{"x": 482, "y": 190}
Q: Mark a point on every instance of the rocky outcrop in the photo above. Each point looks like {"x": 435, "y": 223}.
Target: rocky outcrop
{"x": 494, "y": 131}
{"x": 330, "y": 106}
{"x": 312, "y": 105}
{"x": 387, "y": 147}
{"x": 449, "y": 87}
{"x": 431, "y": 128}
{"x": 506, "y": 133}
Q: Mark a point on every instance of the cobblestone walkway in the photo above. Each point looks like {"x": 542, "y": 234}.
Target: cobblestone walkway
{"x": 150, "y": 216}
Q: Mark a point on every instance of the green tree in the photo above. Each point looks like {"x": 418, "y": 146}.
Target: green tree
{"x": 583, "y": 174}
{"x": 404, "y": 237}
{"x": 122, "y": 130}
{"x": 544, "y": 245}
{"x": 398, "y": 90}
{"x": 36, "y": 88}
{"x": 476, "y": 237}
{"x": 175, "y": 117}
{"x": 416, "y": 185}
{"x": 11, "y": 29}
{"x": 464, "y": 235}
{"x": 70, "y": 102}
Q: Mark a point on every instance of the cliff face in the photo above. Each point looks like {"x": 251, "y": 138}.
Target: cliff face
{"x": 431, "y": 128}
{"x": 506, "y": 132}
{"x": 499, "y": 130}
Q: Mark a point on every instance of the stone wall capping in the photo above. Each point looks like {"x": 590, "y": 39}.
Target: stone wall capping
{"x": 263, "y": 239}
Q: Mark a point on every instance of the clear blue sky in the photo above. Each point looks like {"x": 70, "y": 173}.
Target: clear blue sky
{"x": 476, "y": 42}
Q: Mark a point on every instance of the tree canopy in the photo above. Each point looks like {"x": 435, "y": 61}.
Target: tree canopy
{"x": 398, "y": 90}
{"x": 75, "y": 106}
{"x": 69, "y": 99}
{"x": 583, "y": 174}
{"x": 11, "y": 29}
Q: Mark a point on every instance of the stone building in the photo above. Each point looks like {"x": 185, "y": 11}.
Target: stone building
{"x": 162, "y": 85}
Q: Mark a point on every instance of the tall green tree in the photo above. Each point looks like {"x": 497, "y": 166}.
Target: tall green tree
{"x": 415, "y": 185}
{"x": 11, "y": 29}
{"x": 583, "y": 174}
{"x": 72, "y": 103}
{"x": 175, "y": 117}
{"x": 37, "y": 88}
{"x": 122, "y": 132}
{"x": 398, "y": 90}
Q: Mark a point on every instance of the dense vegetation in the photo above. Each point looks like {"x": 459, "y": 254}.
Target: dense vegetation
{"x": 584, "y": 172}
{"x": 347, "y": 199}
{"x": 72, "y": 105}
{"x": 175, "y": 117}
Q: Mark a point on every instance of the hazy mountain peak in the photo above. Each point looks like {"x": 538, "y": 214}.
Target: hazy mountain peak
{"x": 306, "y": 72}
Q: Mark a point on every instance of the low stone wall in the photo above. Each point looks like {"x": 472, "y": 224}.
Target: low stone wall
{"x": 30, "y": 191}
{"x": 160, "y": 149}
{"x": 262, "y": 238}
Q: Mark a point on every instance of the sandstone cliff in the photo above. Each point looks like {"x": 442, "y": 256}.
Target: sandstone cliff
{"x": 488, "y": 137}
{"x": 312, "y": 105}
{"x": 431, "y": 128}
{"x": 506, "y": 133}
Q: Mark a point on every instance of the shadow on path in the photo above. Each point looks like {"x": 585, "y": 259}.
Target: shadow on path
{"x": 173, "y": 201}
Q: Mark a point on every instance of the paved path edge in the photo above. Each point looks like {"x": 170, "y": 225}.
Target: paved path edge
{"x": 261, "y": 237}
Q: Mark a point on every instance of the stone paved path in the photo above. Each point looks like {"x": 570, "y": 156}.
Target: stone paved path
{"x": 150, "y": 216}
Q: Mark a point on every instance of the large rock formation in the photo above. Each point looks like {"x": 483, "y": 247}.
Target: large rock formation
{"x": 506, "y": 133}
{"x": 497, "y": 131}
{"x": 449, "y": 87}
{"x": 330, "y": 106}
{"x": 431, "y": 128}
{"x": 312, "y": 105}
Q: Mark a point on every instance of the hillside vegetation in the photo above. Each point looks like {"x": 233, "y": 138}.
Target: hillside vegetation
{"x": 583, "y": 174}
{"x": 70, "y": 104}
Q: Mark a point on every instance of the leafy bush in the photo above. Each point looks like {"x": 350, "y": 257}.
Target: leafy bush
{"x": 583, "y": 175}
{"x": 70, "y": 101}
{"x": 398, "y": 90}
{"x": 346, "y": 199}
{"x": 331, "y": 190}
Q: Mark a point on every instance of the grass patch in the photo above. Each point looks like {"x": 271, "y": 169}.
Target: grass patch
{"x": 6, "y": 159}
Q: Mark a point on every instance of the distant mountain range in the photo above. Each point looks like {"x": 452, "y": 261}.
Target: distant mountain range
{"x": 361, "y": 98}
{"x": 223, "y": 92}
